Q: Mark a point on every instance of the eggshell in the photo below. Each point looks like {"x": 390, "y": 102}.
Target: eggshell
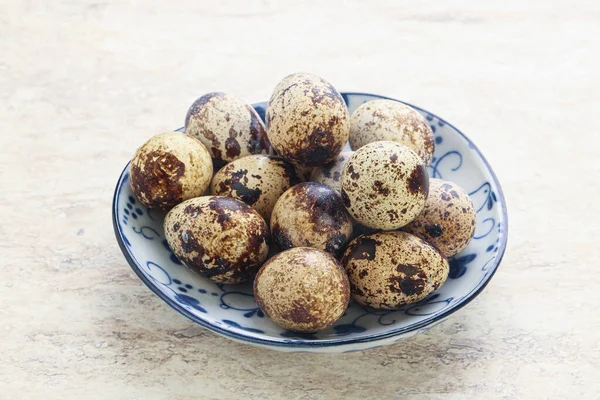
{"x": 331, "y": 174}
{"x": 390, "y": 269}
{"x": 220, "y": 238}
{"x": 302, "y": 289}
{"x": 303, "y": 172}
{"x": 227, "y": 126}
{"x": 311, "y": 214}
{"x": 307, "y": 120}
{"x": 379, "y": 120}
{"x": 384, "y": 185}
{"x": 257, "y": 180}
{"x": 448, "y": 219}
{"x": 169, "y": 168}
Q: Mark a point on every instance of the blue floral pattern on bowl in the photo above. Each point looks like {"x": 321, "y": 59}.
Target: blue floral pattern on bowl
{"x": 230, "y": 310}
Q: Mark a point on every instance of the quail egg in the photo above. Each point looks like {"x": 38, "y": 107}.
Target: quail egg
{"x": 227, "y": 126}
{"x": 307, "y": 120}
{"x": 448, "y": 219}
{"x": 257, "y": 180}
{"x": 169, "y": 168}
{"x": 311, "y": 214}
{"x": 390, "y": 269}
{"x": 391, "y": 120}
{"x": 221, "y": 238}
{"x": 384, "y": 185}
{"x": 302, "y": 289}
{"x": 331, "y": 174}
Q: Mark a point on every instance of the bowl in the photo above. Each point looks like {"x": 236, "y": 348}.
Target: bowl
{"x": 230, "y": 310}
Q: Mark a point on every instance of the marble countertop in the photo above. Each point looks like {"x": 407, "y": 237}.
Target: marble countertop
{"x": 83, "y": 83}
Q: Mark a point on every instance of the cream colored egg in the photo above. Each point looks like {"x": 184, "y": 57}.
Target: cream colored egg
{"x": 257, "y": 180}
{"x": 311, "y": 214}
{"x": 307, "y": 120}
{"x": 228, "y": 127}
{"x": 302, "y": 289}
{"x": 221, "y": 238}
{"x": 448, "y": 220}
{"x": 379, "y": 120}
{"x": 390, "y": 269}
{"x": 384, "y": 185}
{"x": 169, "y": 168}
{"x": 331, "y": 174}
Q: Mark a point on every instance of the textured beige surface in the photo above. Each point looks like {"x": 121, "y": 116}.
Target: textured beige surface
{"x": 84, "y": 83}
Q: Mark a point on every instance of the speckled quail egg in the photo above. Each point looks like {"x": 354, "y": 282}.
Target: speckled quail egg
{"x": 311, "y": 214}
{"x": 169, "y": 168}
{"x": 257, "y": 180}
{"x": 227, "y": 126}
{"x": 448, "y": 219}
{"x": 384, "y": 185}
{"x": 390, "y": 269}
{"x": 221, "y": 238}
{"x": 391, "y": 120}
{"x": 307, "y": 120}
{"x": 331, "y": 174}
{"x": 302, "y": 289}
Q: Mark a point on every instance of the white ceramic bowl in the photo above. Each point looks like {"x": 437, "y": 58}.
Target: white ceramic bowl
{"x": 230, "y": 310}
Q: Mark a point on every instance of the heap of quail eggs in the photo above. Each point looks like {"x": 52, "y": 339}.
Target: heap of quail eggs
{"x": 310, "y": 225}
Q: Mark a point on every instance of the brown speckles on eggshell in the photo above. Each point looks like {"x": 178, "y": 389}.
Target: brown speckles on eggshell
{"x": 448, "y": 225}
{"x": 259, "y": 141}
{"x": 380, "y": 194}
{"x": 353, "y": 173}
{"x": 169, "y": 168}
{"x": 281, "y": 237}
{"x": 192, "y": 210}
{"x": 411, "y": 281}
{"x": 307, "y": 120}
{"x": 401, "y": 269}
{"x": 380, "y": 188}
{"x": 433, "y": 230}
{"x": 198, "y": 106}
{"x": 156, "y": 180}
{"x": 236, "y": 182}
{"x": 302, "y": 289}
{"x": 345, "y": 199}
{"x": 362, "y": 248}
{"x": 220, "y": 238}
{"x": 418, "y": 181}
{"x": 257, "y": 180}
{"x": 311, "y": 214}
{"x": 228, "y": 127}
{"x": 331, "y": 173}
{"x": 232, "y": 148}
{"x": 379, "y": 120}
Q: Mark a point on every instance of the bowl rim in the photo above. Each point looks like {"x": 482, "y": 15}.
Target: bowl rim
{"x": 288, "y": 342}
